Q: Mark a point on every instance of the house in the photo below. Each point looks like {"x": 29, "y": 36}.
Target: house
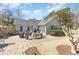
{"x": 48, "y": 23}
{"x": 51, "y": 21}
{"x": 44, "y": 25}
{"x": 26, "y": 25}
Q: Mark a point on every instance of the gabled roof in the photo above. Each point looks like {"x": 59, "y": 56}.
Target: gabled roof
{"x": 26, "y": 22}
{"x": 45, "y": 21}
{"x": 48, "y": 18}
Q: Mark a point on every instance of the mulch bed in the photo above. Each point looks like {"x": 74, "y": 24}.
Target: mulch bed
{"x": 64, "y": 50}
{"x": 32, "y": 51}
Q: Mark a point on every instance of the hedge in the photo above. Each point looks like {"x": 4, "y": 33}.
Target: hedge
{"x": 56, "y": 32}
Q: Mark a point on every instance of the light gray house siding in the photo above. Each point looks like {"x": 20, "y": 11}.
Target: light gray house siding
{"x": 32, "y": 24}
{"x": 52, "y": 23}
{"x": 42, "y": 29}
{"x": 18, "y": 28}
{"x": 46, "y": 24}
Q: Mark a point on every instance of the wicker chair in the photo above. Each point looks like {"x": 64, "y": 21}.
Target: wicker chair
{"x": 21, "y": 35}
{"x": 28, "y": 35}
{"x": 37, "y": 35}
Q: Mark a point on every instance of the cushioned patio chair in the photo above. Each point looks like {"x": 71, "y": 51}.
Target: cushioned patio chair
{"x": 21, "y": 35}
{"x": 28, "y": 35}
{"x": 37, "y": 35}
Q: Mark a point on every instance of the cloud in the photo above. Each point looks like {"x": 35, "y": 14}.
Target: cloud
{"x": 51, "y": 5}
{"x": 14, "y": 5}
{"x": 37, "y": 14}
{"x": 32, "y": 14}
{"x": 37, "y": 11}
{"x": 48, "y": 7}
{"x": 59, "y": 6}
{"x": 25, "y": 5}
{"x": 26, "y": 12}
{"x": 11, "y": 5}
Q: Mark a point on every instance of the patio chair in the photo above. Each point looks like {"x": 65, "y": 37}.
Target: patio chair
{"x": 21, "y": 35}
{"x": 28, "y": 35}
{"x": 37, "y": 35}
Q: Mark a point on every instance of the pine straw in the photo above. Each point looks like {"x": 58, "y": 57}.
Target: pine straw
{"x": 64, "y": 50}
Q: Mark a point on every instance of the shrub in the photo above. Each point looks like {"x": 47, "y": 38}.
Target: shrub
{"x": 56, "y": 32}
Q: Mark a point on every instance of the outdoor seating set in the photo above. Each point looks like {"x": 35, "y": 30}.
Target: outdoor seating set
{"x": 30, "y": 35}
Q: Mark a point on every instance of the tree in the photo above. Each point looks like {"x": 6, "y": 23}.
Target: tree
{"x": 7, "y": 17}
{"x": 76, "y": 17}
{"x": 66, "y": 18}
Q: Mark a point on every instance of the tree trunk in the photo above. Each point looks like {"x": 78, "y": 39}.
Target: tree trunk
{"x": 68, "y": 33}
{"x": 64, "y": 30}
{"x": 75, "y": 48}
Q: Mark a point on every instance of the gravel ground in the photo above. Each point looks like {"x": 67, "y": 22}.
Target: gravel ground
{"x": 46, "y": 46}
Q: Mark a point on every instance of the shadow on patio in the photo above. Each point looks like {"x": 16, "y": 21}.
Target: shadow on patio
{"x": 5, "y": 45}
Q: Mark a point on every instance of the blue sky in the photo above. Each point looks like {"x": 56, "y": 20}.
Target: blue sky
{"x": 38, "y": 10}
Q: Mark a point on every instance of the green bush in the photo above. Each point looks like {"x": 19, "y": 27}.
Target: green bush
{"x": 56, "y": 32}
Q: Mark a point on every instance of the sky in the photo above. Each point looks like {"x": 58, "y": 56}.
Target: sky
{"x": 37, "y": 10}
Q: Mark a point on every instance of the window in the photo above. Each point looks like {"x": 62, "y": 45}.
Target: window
{"x": 38, "y": 29}
{"x": 28, "y": 29}
{"x": 35, "y": 30}
{"x": 21, "y": 28}
{"x": 52, "y": 26}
